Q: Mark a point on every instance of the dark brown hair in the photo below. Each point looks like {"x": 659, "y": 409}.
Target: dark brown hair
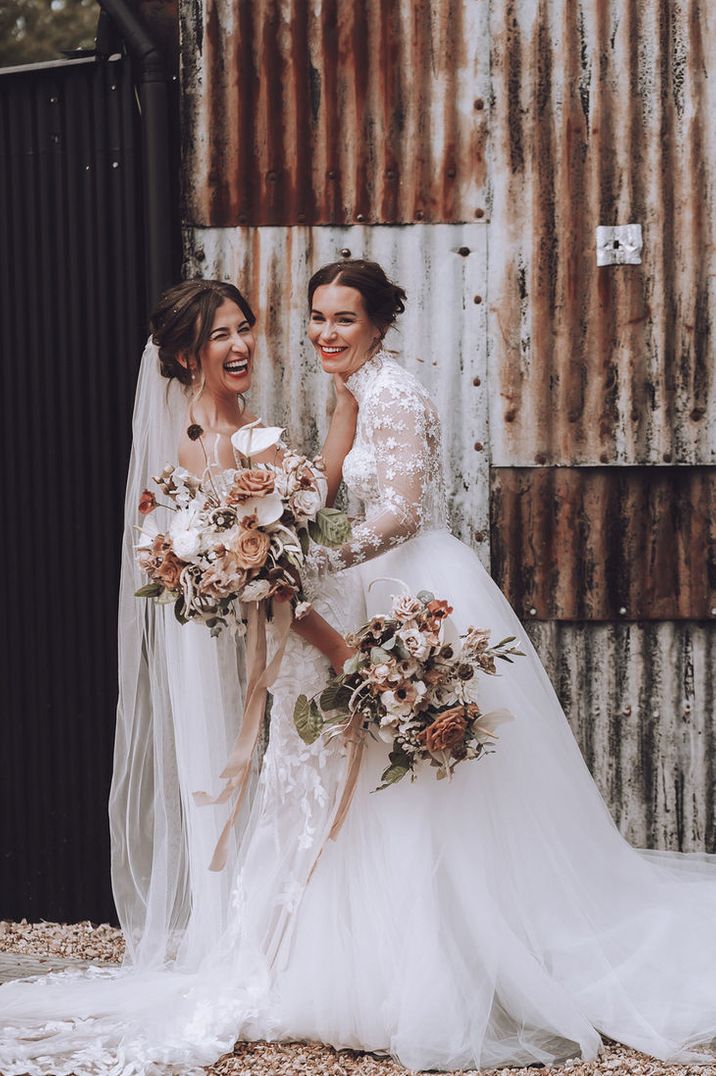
{"x": 182, "y": 320}
{"x": 383, "y": 300}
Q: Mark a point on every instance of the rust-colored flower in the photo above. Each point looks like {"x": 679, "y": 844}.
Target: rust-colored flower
{"x": 251, "y": 547}
{"x": 437, "y": 612}
{"x": 250, "y": 483}
{"x": 147, "y": 502}
{"x": 447, "y": 730}
{"x": 165, "y": 564}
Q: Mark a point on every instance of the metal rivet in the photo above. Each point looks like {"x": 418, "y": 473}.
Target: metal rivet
{"x": 331, "y": 173}
{"x": 510, "y": 416}
{"x": 477, "y": 300}
{"x": 419, "y": 214}
{"x": 345, "y": 253}
{"x": 479, "y": 213}
{"x": 604, "y": 457}
{"x": 622, "y": 610}
{"x": 627, "y": 711}
{"x": 54, "y": 138}
{"x": 463, "y": 251}
{"x": 697, "y": 414}
{"x": 687, "y": 707}
{"x": 533, "y": 611}
{"x": 360, "y": 217}
{"x": 88, "y": 168}
{"x": 53, "y": 100}
{"x": 272, "y": 176}
{"x": 479, "y": 104}
{"x": 667, "y": 457}
{"x": 541, "y": 458}
{"x": 115, "y": 164}
{"x": 713, "y": 612}
{"x": 476, "y": 381}
{"x": 478, "y": 446}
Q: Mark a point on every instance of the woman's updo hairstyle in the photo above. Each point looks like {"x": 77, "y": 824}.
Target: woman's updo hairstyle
{"x": 383, "y": 300}
{"x": 182, "y": 321}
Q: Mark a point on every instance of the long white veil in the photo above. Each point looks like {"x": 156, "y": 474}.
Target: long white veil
{"x": 180, "y": 705}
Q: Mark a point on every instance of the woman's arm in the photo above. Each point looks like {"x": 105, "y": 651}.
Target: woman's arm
{"x": 340, "y": 436}
{"x": 318, "y": 632}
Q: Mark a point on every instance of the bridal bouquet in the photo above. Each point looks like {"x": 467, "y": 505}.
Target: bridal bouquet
{"x": 413, "y": 689}
{"x": 235, "y": 535}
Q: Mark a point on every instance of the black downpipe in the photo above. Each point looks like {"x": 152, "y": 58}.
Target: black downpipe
{"x": 152, "y": 82}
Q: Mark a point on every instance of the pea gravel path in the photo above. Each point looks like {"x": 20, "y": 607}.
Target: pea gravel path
{"x": 34, "y": 948}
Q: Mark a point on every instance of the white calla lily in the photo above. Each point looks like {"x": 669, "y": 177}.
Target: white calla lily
{"x": 266, "y": 509}
{"x": 484, "y": 727}
{"x": 147, "y": 533}
{"x": 253, "y": 438}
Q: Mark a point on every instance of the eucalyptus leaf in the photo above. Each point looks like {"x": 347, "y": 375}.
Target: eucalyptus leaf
{"x": 378, "y": 656}
{"x": 425, "y": 596}
{"x": 333, "y": 526}
{"x": 335, "y": 697}
{"x": 307, "y": 719}
{"x": 391, "y": 776}
{"x": 351, "y": 665}
{"x": 180, "y": 610}
{"x": 305, "y": 540}
{"x": 149, "y": 590}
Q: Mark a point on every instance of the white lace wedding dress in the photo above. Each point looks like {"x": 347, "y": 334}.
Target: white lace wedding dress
{"x": 498, "y": 918}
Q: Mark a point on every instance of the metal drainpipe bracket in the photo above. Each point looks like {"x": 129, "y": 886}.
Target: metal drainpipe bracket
{"x": 620, "y": 244}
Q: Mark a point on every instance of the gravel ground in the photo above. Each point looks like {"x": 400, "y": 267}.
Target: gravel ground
{"x": 83, "y": 941}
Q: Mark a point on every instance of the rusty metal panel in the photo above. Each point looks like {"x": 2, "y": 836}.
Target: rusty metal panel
{"x": 640, "y": 700}
{"x": 627, "y": 543}
{"x": 602, "y": 114}
{"x": 334, "y": 112}
{"x": 441, "y": 337}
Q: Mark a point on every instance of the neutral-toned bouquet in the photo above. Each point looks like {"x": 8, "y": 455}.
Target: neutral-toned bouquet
{"x": 413, "y": 688}
{"x": 235, "y": 535}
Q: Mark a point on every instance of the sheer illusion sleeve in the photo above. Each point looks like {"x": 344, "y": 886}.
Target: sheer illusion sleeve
{"x": 397, "y": 425}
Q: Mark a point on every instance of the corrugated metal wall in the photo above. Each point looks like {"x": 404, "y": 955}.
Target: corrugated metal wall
{"x": 509, "y": 130}
{"x": 71, "y": 324}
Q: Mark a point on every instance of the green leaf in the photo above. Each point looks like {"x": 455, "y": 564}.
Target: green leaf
{"x": 149, "y": 590}
{"x": 352, "y": 665}
{"x": 180, "y": 610}
{"x": 307, "y": 719}
{"x": 335, "y": 697}
{"x": 333, "y": 527}
{"x": 390, "y": 643}
{"x": 391, "y": 776}
{"x": 378, "y": 656}
{"x": 425, "y": 596}
{"x": 304, "y": 539}
{"x": 504, "y": 642}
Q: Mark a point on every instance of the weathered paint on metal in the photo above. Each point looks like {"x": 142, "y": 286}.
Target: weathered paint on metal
{"x": 441, "y": 337}
{"x": 602, "y": 114}
{"x": 334, "y": 112}
{"x": 641, "y": 701}
{"x": 605, "y": 543}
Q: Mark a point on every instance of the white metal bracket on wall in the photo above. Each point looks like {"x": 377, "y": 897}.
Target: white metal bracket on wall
{"x": 620, "y": 244}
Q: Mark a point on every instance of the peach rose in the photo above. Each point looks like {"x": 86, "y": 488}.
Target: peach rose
{"x": 251, "y": 547}
{"x": 406, "y": 608}
{"x": 251, "y": 483}
{"x": 447, "y": 732}
{"x": 163, "y": 564}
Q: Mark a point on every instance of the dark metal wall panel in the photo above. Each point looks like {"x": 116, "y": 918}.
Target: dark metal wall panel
{"x": 334, "y": 112}
{"x": 641, "y": 701}
{"x": 627, "y": 543}
{"x": 71, "y": 326}
{"x": 602, "y": 114}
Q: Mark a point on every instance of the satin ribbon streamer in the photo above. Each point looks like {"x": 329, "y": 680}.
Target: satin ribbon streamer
{"x": 260, "y": 678}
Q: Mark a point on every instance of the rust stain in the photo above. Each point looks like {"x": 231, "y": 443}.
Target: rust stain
{"x": 335, "y": 113}
{"x": 604, "y": 543}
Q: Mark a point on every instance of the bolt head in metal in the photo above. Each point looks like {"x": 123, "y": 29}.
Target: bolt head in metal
{"x": 533, "y": 611}
{"x": 451, "y": 173}
{"x": 477, "y": 299}
{"x": 331, "y": 173}
{"x": 479, "y": 104}
{"x": 479, "y": 213}
{"x": 115, "y": 164}
{"x": 360, "y": 217}
{"x": 622, "y": 610}
{"x": 476, "y": 381}
{"x": 419, "y": 214}
{"x": 272, "y": 176}
{"x": 390, "y": 174}
{"x": 713, "y": 612}
{"x": 345, "y": 252}
{"x": 478, "y": 446}
{"x": 463, "y": 251}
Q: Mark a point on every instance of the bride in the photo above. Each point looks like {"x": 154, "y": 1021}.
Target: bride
{"x": 496, "y": 919}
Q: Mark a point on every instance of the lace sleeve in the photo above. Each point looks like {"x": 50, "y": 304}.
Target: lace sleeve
{"x": 397, "y": 424}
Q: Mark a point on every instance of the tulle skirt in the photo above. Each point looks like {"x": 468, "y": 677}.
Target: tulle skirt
{"x": 498, "y": 918}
